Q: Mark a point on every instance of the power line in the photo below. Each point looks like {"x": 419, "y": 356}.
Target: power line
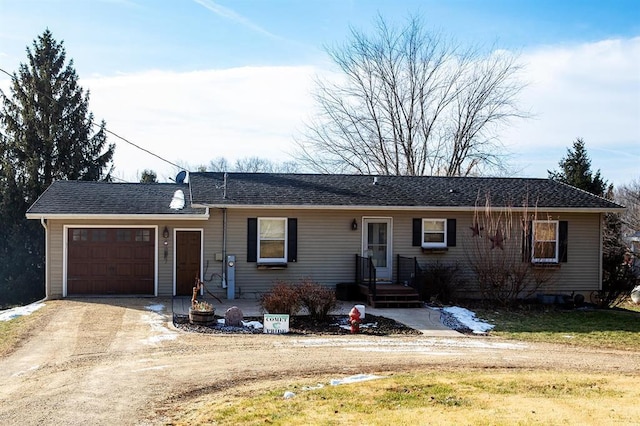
{"x": 105, "y": 128}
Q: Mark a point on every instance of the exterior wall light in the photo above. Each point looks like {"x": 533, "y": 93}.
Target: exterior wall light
{"x": 354, "y": 225}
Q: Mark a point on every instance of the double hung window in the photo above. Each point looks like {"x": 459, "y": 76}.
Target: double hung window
{"x": 272, "y": 239}
{"x": 434, "y": 233}
{"x": 545, "y": 241}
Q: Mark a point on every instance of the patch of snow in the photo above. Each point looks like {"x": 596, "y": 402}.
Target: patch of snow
{"x": 468, "y": 319}
{"x": 288, "y": 395}
{"x": 252, "y": 324}
{"x": 157, "y": 323}
{"x": 177, "y": 202}
{"x": 22, "y": 373}
{"x": 427, "y": 345}
{"x": 367, "y": 325}
{"x": 19, "y": 311}
{"x": 155, "y": 308}
{"x": 354, "y": 379}
{"x": 249, "y": 324}
{"x": 310, "y": 388}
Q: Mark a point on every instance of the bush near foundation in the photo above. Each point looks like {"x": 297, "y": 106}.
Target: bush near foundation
{"x": 283, "y": 298}
{"x": 290, "y": 298}
{"x": 319, "y": 300}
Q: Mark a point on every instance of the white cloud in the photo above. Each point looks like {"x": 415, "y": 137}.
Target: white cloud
{"x": 590, "y": 91}
{"x": 195, "y": 117}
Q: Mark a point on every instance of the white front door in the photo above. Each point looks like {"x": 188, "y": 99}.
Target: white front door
{"x": 376, "y": 244}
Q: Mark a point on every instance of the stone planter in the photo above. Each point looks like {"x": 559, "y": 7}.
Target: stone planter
{"x": 202, "y": 317}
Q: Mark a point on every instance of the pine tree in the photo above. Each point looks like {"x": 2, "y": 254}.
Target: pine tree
{"x": 46, "y": 134}
{"x": 576, "y": 171}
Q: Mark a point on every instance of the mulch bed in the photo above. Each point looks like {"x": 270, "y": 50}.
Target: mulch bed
{"x": 303, "y": 325}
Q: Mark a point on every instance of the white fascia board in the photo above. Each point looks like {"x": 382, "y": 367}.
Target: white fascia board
{"x": 118, "y": 216}
{"x": 406, "y": 208}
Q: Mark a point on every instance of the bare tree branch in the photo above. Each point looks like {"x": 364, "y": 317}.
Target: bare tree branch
{"x": 410, "y": 102}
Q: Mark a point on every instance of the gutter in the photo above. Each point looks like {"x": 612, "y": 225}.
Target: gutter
{"x": 411, "y": 208}
{"x": 164, "y": 217}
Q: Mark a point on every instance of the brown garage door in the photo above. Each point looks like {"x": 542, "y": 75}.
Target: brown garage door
{"x": 110, "y": 261}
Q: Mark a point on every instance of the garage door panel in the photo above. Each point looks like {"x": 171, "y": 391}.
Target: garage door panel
{"x": 99, "y": 253}
{"x": 111, "y": 261}
{"x": 124, "y": 270}
{"x": 124, "y": 252}
{"x": 98, "y": 269}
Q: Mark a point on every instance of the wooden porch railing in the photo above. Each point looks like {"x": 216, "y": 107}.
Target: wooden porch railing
{"x": 366, "y": 274}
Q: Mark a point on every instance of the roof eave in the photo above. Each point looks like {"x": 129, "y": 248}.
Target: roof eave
{"x": 405, "y": 208}
{"x": 65, "y": 216}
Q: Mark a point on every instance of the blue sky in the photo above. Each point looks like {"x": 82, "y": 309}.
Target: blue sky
{"x": 195, "y": 80}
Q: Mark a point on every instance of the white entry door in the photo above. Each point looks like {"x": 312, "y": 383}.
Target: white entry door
{"x": 376, "y": 244}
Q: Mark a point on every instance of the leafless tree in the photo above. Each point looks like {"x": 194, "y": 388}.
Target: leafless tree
{"x": 410, "y": 102}
{"x": 252, "y": 165}
{"x": 629, "y": 196}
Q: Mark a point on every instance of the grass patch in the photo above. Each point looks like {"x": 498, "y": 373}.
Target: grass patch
{"x": 433, "y": 397}
{"x": 608, "y": 328}
{"x": 13, "y": 332}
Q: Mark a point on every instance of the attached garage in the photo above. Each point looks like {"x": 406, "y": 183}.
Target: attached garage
{"x": 111, "y": 261}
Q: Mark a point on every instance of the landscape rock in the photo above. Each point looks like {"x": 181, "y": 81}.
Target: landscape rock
{"x": 233, "y": 317}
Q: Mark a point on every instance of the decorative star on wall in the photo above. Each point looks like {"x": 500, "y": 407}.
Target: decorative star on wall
{"x": 497, "y": 240}
{"x": 475, "y": 229}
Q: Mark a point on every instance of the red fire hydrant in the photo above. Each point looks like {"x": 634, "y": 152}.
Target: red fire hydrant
{"x": 354, "y": 320}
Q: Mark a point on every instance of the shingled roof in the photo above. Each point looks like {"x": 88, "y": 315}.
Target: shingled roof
{"x": 102, "y": 198}
{"x": 271, "y": 189}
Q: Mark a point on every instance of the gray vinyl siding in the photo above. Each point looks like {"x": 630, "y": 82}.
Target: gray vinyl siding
{"x": 327, "y": 247}
{"x": 54, "y": 267}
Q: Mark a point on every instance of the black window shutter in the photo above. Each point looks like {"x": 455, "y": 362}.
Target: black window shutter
{"x": 451, "y": 232}
{"x": 563, "y": 235}
{"x": 252, "y": 239}
{"x": 417, "y": 232}
{"x": 526, "y": 242}
{"x": 292, "y": 240}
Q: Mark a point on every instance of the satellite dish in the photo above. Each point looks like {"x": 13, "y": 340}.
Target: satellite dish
{"x": 180, "y": 177}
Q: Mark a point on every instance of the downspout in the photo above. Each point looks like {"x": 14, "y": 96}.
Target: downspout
{"x": 224, "y": 248}
{"x": 601, "y": 251}
{"x": 43, "y": 222}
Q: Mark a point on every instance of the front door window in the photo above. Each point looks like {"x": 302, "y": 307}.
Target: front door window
{"x": 377, "y": 245}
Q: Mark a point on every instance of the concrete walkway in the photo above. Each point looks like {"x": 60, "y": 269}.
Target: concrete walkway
{"x": 426, "y": 320}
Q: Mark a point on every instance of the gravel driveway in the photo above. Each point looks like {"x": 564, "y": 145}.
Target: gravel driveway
{"x": 120, "y": 361}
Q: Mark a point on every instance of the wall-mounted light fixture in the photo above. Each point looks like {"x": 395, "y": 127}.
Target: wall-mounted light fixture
{"x": 354, "y": 225}
{"x": 165, "y": 234}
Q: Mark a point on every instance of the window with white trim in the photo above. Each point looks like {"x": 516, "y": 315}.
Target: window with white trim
{"x": 272, "y": 239}
{"x": 545, "y": 241}
{"x": 434, "y": 233}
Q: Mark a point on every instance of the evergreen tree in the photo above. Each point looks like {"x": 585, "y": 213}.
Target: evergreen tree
{"x": 46, "y": 134}
{"x": 575, "y": 170}
{"x": 148, "y": 176}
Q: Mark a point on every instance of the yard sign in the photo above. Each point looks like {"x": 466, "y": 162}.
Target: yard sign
{"x": 276, "y": 323}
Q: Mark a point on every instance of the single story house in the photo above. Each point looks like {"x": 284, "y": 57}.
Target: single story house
{"x": 242, "y": 232}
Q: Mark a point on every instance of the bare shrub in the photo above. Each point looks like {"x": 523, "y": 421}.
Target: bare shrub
{"x": 283, "y": 298}
{"x": 441, "y": 280}
{"x": 496, "y": 255}
{"x": 319, "y": 300}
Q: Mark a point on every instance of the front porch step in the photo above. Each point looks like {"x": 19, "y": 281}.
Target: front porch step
{"x": 392, "y": 296}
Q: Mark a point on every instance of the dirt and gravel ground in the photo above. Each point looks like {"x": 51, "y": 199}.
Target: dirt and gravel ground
{"x": 114, "y": 361}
